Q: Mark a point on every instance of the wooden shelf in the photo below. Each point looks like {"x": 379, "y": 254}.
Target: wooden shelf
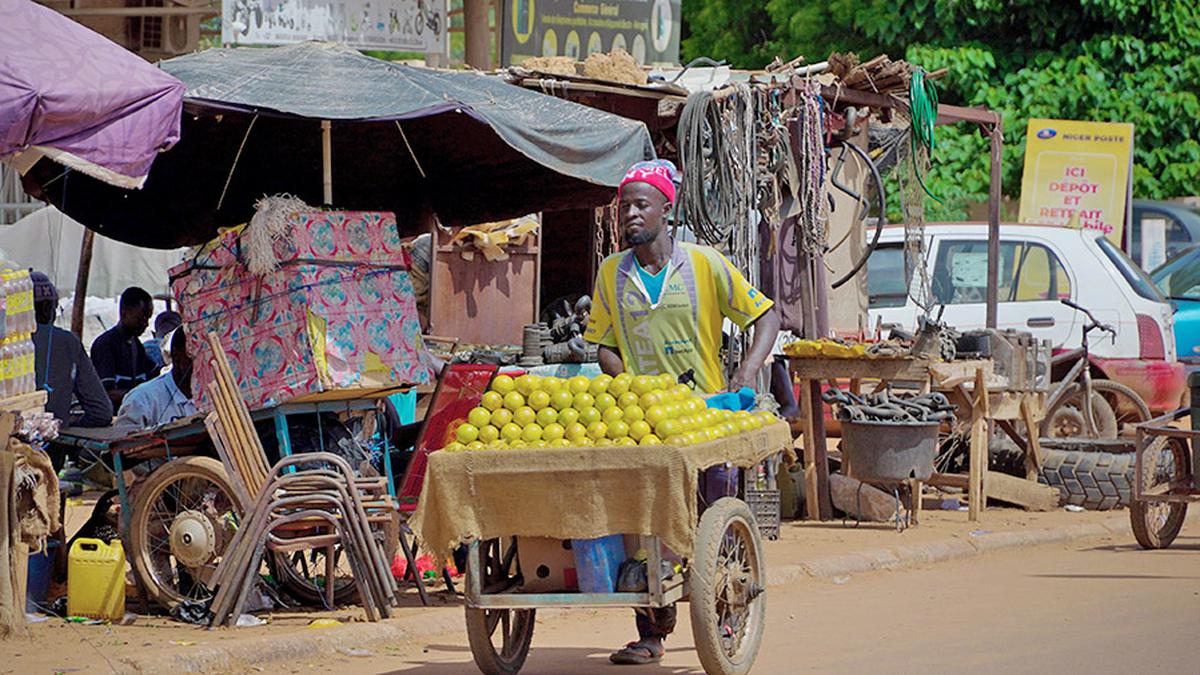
{"x": 32, "y": 402}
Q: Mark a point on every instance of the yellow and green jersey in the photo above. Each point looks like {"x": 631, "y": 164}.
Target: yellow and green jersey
{"x": 682, "y": 331}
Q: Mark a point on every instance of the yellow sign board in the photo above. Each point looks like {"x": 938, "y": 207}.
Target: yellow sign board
{"x": 1078, "y": 174}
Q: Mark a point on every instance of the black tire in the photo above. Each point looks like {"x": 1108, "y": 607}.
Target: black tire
{"x": 1128, "y": 407}
{"x": 1155, "y": 525}
{"x": 1097, "y": 481}
{"x": 1065, "y": 419}
{"x": 516, "y": 634}
{"x": 727, "y": 529}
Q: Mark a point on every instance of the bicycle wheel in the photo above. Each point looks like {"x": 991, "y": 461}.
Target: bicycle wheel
{"x": 1157, "y": 523}
{"x": 1128, "y": 407}
{"x": 1066, "y": 419}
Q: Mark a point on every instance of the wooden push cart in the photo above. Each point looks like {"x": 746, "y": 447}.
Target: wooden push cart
{"x": 722, "y": 573}
{"x": 1165, "y": 477}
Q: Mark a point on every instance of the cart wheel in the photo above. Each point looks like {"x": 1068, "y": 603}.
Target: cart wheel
{"x": 1156, "y": 524}
{"x": 516, "y": 634}
{"x": 302, "y": 573}
{"x": 727, "y": 579}
{"x": 184, "y": 515}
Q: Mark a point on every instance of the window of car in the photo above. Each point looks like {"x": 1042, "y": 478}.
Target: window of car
{"x": 1178, "y": 237}
{"x": 1138, "y": 280}
{"x": 1179, "y": 278}
{"x": 1028, "y": 271}
{"x": 886, "y": 283}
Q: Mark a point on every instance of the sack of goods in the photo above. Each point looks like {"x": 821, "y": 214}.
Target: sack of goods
{"x": 322, "y": 302}
{"x": 549, "y": 412}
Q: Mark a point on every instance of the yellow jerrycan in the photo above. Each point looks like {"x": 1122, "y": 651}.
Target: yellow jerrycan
{"x": 96, "y": 579}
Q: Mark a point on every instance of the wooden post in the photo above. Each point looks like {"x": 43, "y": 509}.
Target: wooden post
{"x": 81, "y": 281}
{"x": 812, "y": 491}
{"x": 978, "y": 452}
{"x": 478, "y": 32}
{"x": 993, "y": 246}
{"x": 1033, "y": 446}
{"x": 327, "y": 162}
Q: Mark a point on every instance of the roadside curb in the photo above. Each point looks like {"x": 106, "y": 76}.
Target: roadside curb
{"x": 243, "y": 655}
{"x": 941, "y": 550}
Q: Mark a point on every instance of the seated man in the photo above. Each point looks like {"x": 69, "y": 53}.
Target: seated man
{"x": 118, "y": 354}
{"x": 164, "y": 323}
{"x": 61, "y": 366}
{"x": 167, "y": 397}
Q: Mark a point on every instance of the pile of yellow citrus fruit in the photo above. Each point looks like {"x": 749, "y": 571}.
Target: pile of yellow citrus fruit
{"x": 550, "y": 412}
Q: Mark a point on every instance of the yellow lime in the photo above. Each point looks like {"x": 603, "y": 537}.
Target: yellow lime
{"x": 560, "y": 443}
{"x": 561, "y": 399}
{"x": 627, "y": 399}
{"x": 665, "y": 381}
{"x": 695, "y": 405}
{"x": 547, "y": 416}
{"x": 527, "y": 384}
{"x": 538, "y": 399}
{"x": 495, "y": 445}
{"x": 597, "y": 430}
{"x": 650, "y": 439}
{"x": 492, "y": 400}
{"x": 639, "y": 430}
{"x": 531, "y": 433}
{"x": 568, "y": 416}
{"x": 588, "y": 416}
{"x": 553, "y": 431}
{"x": 538, "y": 444}
{"x": 500, "y": 417}
{"x": 576, "y": 432}
{"x": 513, "y": 400}
{"x": 475, "y": 445}
{"x": 488, "y": 433}
{"x": 454, "y": 447}
{"x": 466, "y": 433}
{"x": 583, "y": 400}
{"x": 502, "y": 384}
{"x": 618, "y": 429}
{"x": 674, "y": 409}
{"x": 747, "y": 423}
{"x": 610, "y": 415}
{"x": 479, "y": 416}
{"x": 681, "y": 391}
{"x": 517, "y": 444}
{"x": 605, "y": 401}
{"x": 667, "y": 428}
{"x": 510, "y": 432}
{"x": 656, "y": 414}
{"x": 633, "y": 413}
{"x": 625, "y": 440}
{"x": 677, "y": 440}
{"x": 620, "y": 384}
{"x": 551, "y": 384}
{"x": 578, "y": 384}
{"x": 524, "y": 416}
{"x": 584, "y": 442}
{"x": 651, "y": 399}
{"x": 599, "y": 384}
{"x": 642, "y": 384}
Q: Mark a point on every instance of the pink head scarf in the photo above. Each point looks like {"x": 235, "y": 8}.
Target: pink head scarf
{"x": 660, "y": 173}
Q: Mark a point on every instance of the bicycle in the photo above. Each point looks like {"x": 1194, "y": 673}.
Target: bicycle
{"x": 1113, "y": 407}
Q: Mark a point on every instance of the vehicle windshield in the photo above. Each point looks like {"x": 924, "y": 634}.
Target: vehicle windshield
{"x": 1179, "y": 277}
{"x": 1141, "y": 283}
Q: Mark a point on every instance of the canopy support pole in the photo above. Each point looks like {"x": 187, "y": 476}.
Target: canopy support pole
{"x": 993, "y": 241}
{"x": 478, "y": 30}
{"x": 327, "y": 161}
{"x": 81, "y": 281}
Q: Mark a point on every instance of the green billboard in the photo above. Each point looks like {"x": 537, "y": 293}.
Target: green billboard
{"x": 647, "y": 29}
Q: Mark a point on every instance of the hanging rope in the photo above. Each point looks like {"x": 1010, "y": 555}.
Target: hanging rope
{"x": 810, "y": 168}
{"x": 706, "y": 202}
{"x": 923, "y": 104}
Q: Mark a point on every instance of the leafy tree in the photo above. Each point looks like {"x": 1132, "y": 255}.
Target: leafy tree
{"x": 1132, "y": 61}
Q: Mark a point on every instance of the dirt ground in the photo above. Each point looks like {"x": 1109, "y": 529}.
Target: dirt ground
{"x": 1102, "y": 606}
{"x": 56, "y": 646}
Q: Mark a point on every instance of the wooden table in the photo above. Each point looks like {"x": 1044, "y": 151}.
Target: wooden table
{"x": 959, "y": 380}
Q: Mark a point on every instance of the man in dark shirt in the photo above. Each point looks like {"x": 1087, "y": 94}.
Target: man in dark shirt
{"x": 62, "y": 368}
{"x": 118, "y": 354}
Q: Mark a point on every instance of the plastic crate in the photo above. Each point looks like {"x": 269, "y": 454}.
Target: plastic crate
{"x": 764, "y": 504}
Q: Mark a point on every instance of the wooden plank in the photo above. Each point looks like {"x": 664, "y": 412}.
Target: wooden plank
{"x": 1030, "y": 495}
{"x": 1033, "y": 449}
{"x": 812, "y": 502}
{"x": 484, "y": 302}
{"x": 944, "y": 372}
{"x": 950, "y": 480}
{"x": 890, "y": 369}
{"x": 915, "y": 504}
{"x": 976, "y": 493}
{"x": 33, "y": 401}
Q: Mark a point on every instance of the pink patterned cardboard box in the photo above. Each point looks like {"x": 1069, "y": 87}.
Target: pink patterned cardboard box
{"x": 338, "y": 313}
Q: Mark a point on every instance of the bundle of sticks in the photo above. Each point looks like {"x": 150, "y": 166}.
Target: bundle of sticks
{"x": 880, "y": 75}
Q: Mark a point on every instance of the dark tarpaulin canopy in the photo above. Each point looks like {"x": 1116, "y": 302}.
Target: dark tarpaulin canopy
{"x": 466, "y": 144}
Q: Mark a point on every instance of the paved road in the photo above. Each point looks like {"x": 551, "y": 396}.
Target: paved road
{"x": 1097, "y": 607}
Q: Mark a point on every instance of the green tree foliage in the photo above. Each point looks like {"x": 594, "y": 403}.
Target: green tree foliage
{"x": 1132, "y": 61}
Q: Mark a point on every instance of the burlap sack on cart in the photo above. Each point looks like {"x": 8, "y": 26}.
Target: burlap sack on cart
{"x": 577, "y": 493}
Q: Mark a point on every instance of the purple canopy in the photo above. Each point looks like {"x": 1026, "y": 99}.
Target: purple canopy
{"x": 70, "y": 94}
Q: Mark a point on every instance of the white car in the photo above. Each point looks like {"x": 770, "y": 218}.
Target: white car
{"x": 1040, "y": 265}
